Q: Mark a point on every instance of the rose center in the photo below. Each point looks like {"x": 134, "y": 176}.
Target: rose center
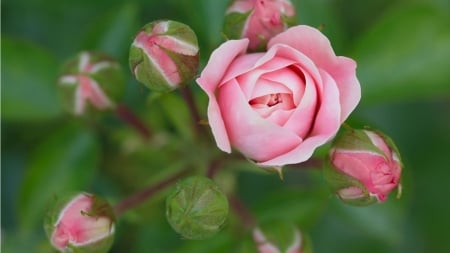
{"x": 272, "y": 100}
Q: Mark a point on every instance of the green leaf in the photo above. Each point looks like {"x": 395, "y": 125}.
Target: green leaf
{"x": 405, "y": 55}
{"x": 65, "y": 162}
{"x": 177, "y": 113}
{"x": 383, "y": 221}
{"x": 28, "y": 82}
{"x": 290, "y": 204}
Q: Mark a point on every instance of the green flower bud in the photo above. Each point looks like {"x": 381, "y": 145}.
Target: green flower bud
{"x": 91, "y": 81}
{"x": 81, "y": 223}
{"x": 196, "y": 208}
{"x": 364, "y": 167}
{"x": 164, "y": 55}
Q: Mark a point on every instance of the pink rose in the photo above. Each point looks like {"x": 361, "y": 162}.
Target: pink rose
{"x": 369, "y": 165}
{"x": 277, "y": 107}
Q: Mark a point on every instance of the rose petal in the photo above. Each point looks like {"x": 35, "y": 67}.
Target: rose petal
{"x": 317, "y": 47}
{"x": 379, "y": 143}
{"x": 302, "y": 119}
{"x": 355, "y": 165}
{"x": 326, "y": 125}
{"x": 174, "y": 44}
{"x": 209, "y": 80}
{"x": 328, "y": 117}
{"x": 254, "y": 65}
{"x": 255, "y": 137}
{"x": 289, "y": 78}
{"x": 267, "y": 87}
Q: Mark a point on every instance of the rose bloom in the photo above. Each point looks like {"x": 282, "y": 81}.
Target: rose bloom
{"x": 278, "y": 106}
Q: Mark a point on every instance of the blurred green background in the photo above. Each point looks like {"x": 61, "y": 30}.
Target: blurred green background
{"x": 403, "y": 52}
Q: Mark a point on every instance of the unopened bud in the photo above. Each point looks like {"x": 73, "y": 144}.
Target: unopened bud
{"x": 91, "y": 81}
{"x": 80, "y": 223}
{"x": 164, "y": 55}
{"x": 364, "y": 167}
{"x": 197, "y": 208}
{"x": 279, "y": 237}
{"x": 258, "y": 20}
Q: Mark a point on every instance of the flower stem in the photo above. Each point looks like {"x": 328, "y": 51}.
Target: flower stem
{"x": 241, "y": 211}
{"x": 213, "y": 168}
{"x": 141, "y": 196}
{"x": 130, "y": 118}
{"x": 237, "y": 206}
{"x": 189, "y": 99}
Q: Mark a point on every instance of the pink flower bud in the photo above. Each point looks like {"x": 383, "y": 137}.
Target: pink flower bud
{"x": 365, "y": 166}
{"x": 258, "y": 20}
{"x": 164, "y": 55}
{"x": 80, "y": 223}
{"x": 91, "y": 80}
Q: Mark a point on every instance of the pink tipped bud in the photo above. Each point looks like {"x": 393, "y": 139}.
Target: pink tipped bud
{"x": 164, "y": 55}
{"x": 80, "y": 223}
{"x": 258, "y": 20}
{"x": 365, "y": 167}
{"x": 279, "y": 237}
{"x": 91, "y": 81}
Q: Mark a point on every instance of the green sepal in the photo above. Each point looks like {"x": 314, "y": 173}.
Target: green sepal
{"x": 234, "y": 24}
{"x": 355, "y": 140}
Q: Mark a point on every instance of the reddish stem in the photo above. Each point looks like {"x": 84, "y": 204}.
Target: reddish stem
{"x": 140, "y": 196}
{"x": 241, "y": 211}
{"x": 213, "y": 168}
{"x": 130, "y": 118}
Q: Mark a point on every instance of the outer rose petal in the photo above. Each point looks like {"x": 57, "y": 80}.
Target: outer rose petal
{"x": 209, "y": 80}
{"x": 317, "y": 47}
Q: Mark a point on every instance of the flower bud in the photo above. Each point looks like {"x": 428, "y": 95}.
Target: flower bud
{"x": 258, "y": 20}
{"x": 197, "y": 208}
{"x": 279, "y": 237}
{"x": 365, "y": 167}
{"x": 91, "y": 80}
{"x": 164, "y": 55}
{"x": 80, "y": 223}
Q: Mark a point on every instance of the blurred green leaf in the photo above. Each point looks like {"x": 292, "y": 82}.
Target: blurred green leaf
{"x": 113, "y": 32}
{"x": 28, "y": 82}
{"x": 294, "y": 205}
{"x": 221, "y": 243}
{"x": 381, "y": 221}
{"x": 405, "y": 55}
{"x": 66, "y": 161}
{"x": 317, "y": 13}
{"x": 178, "y": 114}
